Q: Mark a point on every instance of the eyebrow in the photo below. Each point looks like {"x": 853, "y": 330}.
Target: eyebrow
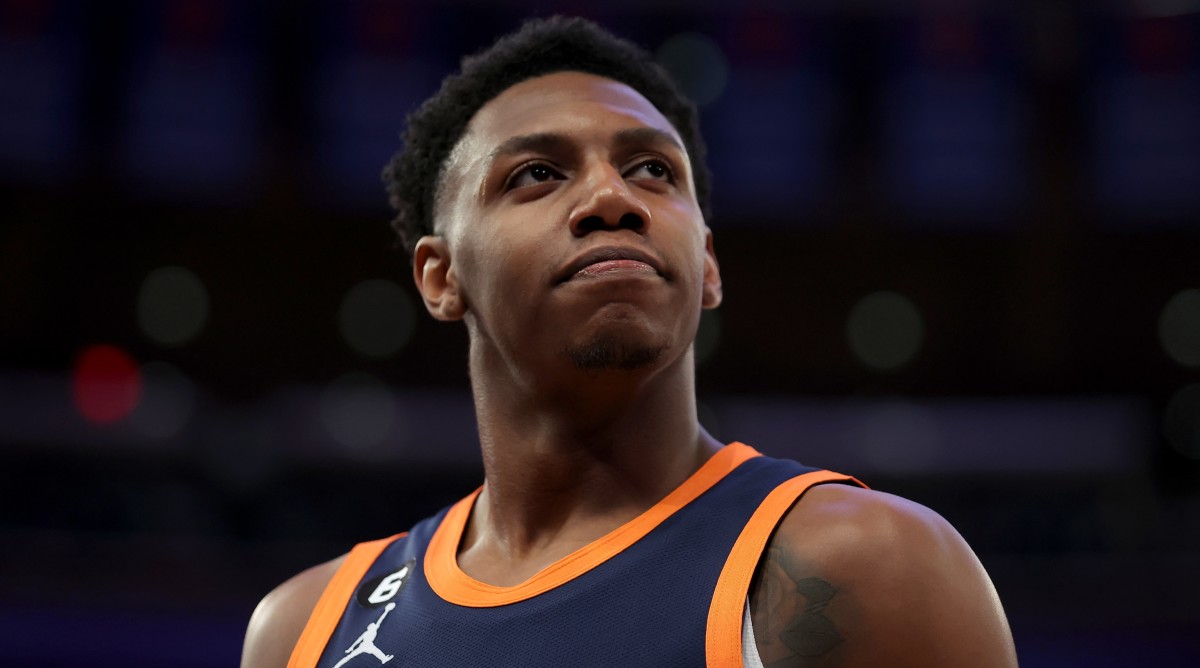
{"x": 540, "y": 142}
{"x": 554, "y": 142}
{"x": 646, "y": 135}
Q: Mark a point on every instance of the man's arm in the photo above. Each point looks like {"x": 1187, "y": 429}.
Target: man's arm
{"x": 280, "y": 617}
{"x": 854, "y": 577}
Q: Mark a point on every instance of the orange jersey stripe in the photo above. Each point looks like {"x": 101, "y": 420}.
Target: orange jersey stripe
{"x": 723, "y": 642}
{"x": 455, "y": 586}
{"x": 328, "y": 611}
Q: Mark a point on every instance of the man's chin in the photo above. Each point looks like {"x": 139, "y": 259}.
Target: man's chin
{"x": 614, "y": 353}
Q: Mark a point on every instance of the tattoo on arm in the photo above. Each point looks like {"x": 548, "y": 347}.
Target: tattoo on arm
{"x": 792, "y": 628}
{"x": 811, "y": 633}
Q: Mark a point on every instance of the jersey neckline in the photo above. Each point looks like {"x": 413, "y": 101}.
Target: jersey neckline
{"x": 454, "y": 586}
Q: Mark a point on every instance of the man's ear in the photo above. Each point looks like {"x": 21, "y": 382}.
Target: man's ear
{"x": 712, "y": 293}
{"x": 434, "y": 275}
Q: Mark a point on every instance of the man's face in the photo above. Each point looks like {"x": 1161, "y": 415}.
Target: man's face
{"x": 568, "y": 230}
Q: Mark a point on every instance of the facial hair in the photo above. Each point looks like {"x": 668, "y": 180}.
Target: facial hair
{"x": 607, "y": 352}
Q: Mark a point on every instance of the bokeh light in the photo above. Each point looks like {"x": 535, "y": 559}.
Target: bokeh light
{"x": 359, "y": 411}
{"x": 377, "y": 318}
{"x": 885, "y": 330}
{"x": 1179, "y": 328}
{"x": 168, "y": 400}
{"x": 106, "y": 384}
{"x": 1181, "y": 421}
{"x": 698, "y": 64}
{"x": 172, "y": 306}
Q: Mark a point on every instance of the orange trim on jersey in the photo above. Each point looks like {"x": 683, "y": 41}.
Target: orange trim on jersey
{"x": 723, "y": 637}
{"x": 328, "y": 611}
{"x": 455, "y": 586}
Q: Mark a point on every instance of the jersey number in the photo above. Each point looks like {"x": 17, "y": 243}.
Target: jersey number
{"x": 389, "y": 586}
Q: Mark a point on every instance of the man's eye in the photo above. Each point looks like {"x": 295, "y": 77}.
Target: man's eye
{"x": 532, "y": 175}
{"x": 652, "y": 169}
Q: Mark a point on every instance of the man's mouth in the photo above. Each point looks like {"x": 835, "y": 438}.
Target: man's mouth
{"x": 610, "y": 260}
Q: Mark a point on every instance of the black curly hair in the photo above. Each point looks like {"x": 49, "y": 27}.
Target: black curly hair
{"x": 540, "y": 46}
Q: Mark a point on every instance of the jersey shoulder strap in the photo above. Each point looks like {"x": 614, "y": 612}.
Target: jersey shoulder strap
{"x": 328, "y": 611}
{"x": 723, "y": 635}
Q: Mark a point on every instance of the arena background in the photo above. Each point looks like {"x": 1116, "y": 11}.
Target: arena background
{"x": 959, "y": 244}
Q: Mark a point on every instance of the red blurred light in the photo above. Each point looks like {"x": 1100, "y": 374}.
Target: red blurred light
{"x": 194, "y": 23}
{"x": 106, "y": 384}
{"x": 766, "y": 38}
{"x": 1162, "y": 45}
{"x": 955, "y": 41}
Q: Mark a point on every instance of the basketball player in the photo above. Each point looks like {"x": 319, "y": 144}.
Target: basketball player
{"x": 553, "y": 199}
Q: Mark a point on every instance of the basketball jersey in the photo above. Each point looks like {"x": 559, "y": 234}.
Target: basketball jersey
{"x": 667, "y": 588}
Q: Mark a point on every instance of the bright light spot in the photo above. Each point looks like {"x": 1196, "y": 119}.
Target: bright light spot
{"x": 885, "y": 330}
{"x": 698, "y": 64}
{"x": 708, "y": 336}
{"x": 899, "y": 437}
{"x": 1181, "y": 422}
{"x": 358, "y": 411}
{"x": 376, "y": 318}
{"x": 167, "y": 401}
{"x": 172, "y": 306}
{"x": 1179, "y": 328}
{"x": 106, "y": 385}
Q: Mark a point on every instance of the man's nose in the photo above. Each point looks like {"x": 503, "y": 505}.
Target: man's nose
{"x": 608, "y": 204}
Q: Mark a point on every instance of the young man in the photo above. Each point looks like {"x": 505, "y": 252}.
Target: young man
{"x": 552, "y": 197}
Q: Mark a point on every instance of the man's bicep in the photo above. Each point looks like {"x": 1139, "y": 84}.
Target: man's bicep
{"x": 858, "y": 578}
{"x": 267, "y": 637}
{"x": 801, "y": 617}
{"x": 954, "y": 616}
{"x": 280, "y": 617}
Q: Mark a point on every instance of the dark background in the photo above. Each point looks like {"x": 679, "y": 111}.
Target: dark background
{"x": 959, "y": 244}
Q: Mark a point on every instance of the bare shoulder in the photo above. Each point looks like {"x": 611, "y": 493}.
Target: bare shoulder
{"x": 280, "y": 617}
{"x": 855, "y": 577}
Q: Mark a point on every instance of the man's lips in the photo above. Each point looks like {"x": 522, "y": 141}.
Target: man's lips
{"x": 600, "y": 261}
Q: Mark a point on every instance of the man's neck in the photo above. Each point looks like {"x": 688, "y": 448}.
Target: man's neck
{"x": 567, "y": 465}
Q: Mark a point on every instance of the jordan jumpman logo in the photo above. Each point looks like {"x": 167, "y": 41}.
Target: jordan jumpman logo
{"x": 366, "y": 642}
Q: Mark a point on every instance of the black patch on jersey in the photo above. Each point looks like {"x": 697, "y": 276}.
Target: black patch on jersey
{"x": 386, "y": 586}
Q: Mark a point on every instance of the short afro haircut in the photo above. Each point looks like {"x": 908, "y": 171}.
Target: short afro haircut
{"x": 539, "y": 47}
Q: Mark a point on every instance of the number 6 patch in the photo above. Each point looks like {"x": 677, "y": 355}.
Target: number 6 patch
{"x": 383, "y": 588}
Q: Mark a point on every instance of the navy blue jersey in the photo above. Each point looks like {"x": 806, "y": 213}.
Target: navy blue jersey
{"x": 666, "y": 589}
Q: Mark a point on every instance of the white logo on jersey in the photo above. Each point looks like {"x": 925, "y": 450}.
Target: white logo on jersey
{"x": 366, "y": 642}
